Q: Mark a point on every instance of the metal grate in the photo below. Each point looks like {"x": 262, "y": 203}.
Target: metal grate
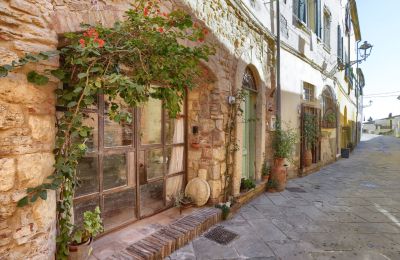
{"x": 221, "y": 235}
{"x": 296, "y": 189}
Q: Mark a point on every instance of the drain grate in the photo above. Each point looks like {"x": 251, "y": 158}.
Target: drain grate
{"x": 221, "y": 235}
{"x": 296, "y": 189}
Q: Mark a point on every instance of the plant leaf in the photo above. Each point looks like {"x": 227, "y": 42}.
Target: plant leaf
{"x": 35, "y": 78}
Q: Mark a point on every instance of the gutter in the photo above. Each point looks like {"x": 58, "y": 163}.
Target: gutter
{"x": 354, "y": 19}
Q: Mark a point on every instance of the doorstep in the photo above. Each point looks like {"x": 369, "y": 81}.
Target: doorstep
{"x": 156, "y": 237}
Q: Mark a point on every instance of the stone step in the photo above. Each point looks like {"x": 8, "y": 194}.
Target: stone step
{"x": 172, "y": 237}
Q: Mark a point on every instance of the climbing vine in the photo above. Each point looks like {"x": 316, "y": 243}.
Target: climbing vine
{"x": 139, "y": 58}
{"x": 232, "y": 146}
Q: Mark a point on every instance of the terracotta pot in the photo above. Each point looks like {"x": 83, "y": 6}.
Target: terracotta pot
{"x": 195, "y": 145}
{"x": 265, "y": 177}
{"x": 308, "y": 158}
{"x": 278, "y": 174}
{"x": 80, "y": 252}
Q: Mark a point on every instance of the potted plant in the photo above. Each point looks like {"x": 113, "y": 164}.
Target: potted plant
{"x": 283, "y": 144}
{"x": 272, "y": 186}
{"x": 182, "y": 201}
{"x": 246, "y": 184}
{"x": 310, "y": 135}
{"x": 226, "y": 209}
{"x": 82, "y": 237}
{"x": 266, "y": 169}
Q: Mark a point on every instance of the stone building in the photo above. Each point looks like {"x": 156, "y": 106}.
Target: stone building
{"x": 142, "y": 179}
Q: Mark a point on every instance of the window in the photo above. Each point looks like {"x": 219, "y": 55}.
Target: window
{"x": 309, "y": 12}
{"x": 300, "y": 10}
{"x": 340, "y": 45}
{"x": 328, "y": 108}
{"x": 327, "y": 29}
{"x": 308, "y": 92}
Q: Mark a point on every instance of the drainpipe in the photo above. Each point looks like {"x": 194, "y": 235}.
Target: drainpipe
{"x": 278, "y": 62}
{"x": 358, "y": 94}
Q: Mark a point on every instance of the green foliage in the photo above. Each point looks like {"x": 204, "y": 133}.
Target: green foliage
{"x": 266, "y": 168}
{"x": 310, "y": 133}
{"x": 272, "y": 184}
{"x": 140, "y": 58}
{"x": 247, "y": 184}
{"x": 92, "y": 226}
{"x": 226, "y": 209}
{"x": 331, "y": 118}
{"x": 283, "y": 141}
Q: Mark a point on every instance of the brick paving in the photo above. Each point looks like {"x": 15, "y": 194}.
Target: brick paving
{"x": 347, "y": 210}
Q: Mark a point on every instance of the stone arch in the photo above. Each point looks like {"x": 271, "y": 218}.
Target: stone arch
{"x": 259, "y": 77}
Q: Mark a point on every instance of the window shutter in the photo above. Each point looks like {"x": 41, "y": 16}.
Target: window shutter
{"x": 318, "y": 27}
{"x": 296, "y": 8}
{"x": 302, "y": 10}
{"x": 339, "y": 44}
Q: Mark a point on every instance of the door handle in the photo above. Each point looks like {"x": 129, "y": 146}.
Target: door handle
{"x": 141, "y": 165}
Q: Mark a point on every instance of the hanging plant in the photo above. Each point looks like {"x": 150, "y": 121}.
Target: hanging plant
{"x": 310, "y": 133}
{"x": 139, "y": 58}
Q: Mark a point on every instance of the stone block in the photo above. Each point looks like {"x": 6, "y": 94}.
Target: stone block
{"x": 7, "y": 207}
{"x": 42, "y": 128}
{"x": 25, "y": 233}
{"x": 7, "y": 173}
{"x": 32, "y": 169}
{"x": 5, "y": 237}
{"x": 207, "y": 153}
{"x": 216, "y": 188}
{"x": 219, "y": 154}
{"x": 215, "y": 173}
{"x": 15, "y": 89}
{"x": 11, "y": 116}
{"x": 44, "y": 211}
{"x": 202, "y": 174}
{"x": 25, "y": 6}
{"x": 15, "y": 137}
{"x": 218, "y": 137}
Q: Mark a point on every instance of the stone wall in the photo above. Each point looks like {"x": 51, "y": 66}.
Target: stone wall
{"x": 27, "y": 132}
{"x": 27, "y": 126}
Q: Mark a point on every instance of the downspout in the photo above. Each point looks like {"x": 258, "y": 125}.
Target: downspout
{"x": 278, "y": 62}
{"x": 358, "y": 94}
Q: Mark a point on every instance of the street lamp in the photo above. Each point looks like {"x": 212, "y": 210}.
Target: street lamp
{"x": 365, "y": 50}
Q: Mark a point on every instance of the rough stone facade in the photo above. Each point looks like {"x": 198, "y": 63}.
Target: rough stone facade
{"x": 27, "y": 112}
{"x": 27, "y": 131}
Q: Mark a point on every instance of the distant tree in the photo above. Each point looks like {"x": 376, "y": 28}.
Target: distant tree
{"x": 370, "y": 119}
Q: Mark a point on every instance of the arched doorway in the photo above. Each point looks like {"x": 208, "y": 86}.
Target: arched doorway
{"x": 249, "y": 125}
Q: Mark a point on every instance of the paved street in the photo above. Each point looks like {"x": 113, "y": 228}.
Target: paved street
{"x": 348, "y": 210}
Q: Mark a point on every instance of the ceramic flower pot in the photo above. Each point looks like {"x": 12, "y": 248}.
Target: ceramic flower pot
{"x": 308, "y": 158}
{"x": 81, "y": 251}
{"x": 278, "y": 174}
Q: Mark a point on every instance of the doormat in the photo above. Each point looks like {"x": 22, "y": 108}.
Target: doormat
{"x": 296, "y": 190}
{"x": 221, "y": 235}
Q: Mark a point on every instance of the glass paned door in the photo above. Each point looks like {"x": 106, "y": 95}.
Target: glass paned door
{"x": 132, "y": 170}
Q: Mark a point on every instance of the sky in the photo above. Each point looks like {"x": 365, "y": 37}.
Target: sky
{"x": 380, "y": 26}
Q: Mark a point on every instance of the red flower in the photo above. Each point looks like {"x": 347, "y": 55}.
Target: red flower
{"x": 201, "y": 39}
{"x": 165, "y": 14}
{"x": 161, "y": 30}
{"x": 146, "y": 11}
{"x": 82, "y": 43}
{"x": 100, "y": 42}
{"x": 205, "y": 31}
{"x": 92, "y": 33}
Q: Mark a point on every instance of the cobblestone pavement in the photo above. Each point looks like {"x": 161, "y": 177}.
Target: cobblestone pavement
{"x": 348, "y": 210}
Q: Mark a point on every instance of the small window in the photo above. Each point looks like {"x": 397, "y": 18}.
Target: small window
{"x": 327, "y": 29}
{"x": 308, "y": 92}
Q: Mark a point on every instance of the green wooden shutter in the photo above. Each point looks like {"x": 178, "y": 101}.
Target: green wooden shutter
{"x": 302, "y": 11}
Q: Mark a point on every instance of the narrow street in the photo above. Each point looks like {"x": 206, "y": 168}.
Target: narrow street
{"x": 347, "y": 210}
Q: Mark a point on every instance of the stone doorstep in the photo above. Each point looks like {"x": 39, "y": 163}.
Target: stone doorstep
{"x": 165, "y": 241}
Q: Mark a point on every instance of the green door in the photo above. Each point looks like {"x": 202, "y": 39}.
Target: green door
{"x": 249, "y": 135}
